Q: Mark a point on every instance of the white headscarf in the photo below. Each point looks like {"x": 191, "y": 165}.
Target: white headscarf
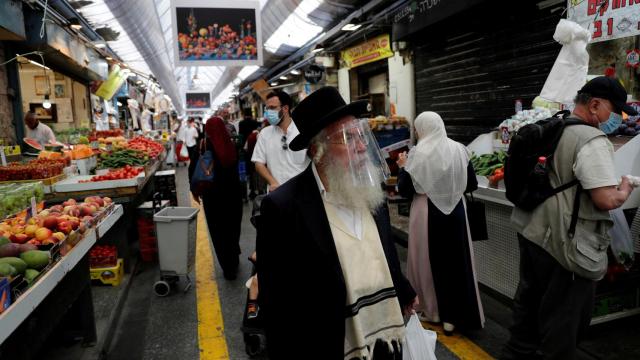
{"x": 438, "y": 165}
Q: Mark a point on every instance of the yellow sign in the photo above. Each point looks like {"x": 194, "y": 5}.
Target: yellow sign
{"x": 108, "y": 88}
{"x": 375, "y": 49}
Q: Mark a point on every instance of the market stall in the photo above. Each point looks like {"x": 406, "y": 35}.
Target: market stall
{"x": 47, "y": 276}
{"x": 498, "y": 257}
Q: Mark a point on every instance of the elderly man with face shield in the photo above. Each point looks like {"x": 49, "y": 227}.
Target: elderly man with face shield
{"x": 330, "y": 279}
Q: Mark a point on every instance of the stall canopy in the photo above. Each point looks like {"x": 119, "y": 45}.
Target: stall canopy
{"x": 145, "y": 40}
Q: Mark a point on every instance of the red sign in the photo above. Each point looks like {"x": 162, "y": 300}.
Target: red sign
{"x": 633, "y": 58}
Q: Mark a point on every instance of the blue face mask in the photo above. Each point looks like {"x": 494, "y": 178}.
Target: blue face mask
{"x": 273, "y": 116}
{"x": 611, "y": 124}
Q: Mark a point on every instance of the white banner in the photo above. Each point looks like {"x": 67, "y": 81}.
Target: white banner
{"x": 606, "y": 19}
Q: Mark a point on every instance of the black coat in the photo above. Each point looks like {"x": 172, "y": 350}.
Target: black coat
{"x": 302, "y": 289}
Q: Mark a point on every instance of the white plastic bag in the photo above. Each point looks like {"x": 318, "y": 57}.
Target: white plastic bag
{"x": 621, "y": 241}
{"x": 184, "y": 152}
{"x": 418, "y": 344}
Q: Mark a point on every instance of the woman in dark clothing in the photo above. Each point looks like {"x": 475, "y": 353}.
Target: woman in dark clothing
{"x": 223, "y": 201}
{"x": 440, "y": 257}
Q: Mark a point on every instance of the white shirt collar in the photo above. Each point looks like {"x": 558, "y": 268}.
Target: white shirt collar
{"x": 321, "y": 187}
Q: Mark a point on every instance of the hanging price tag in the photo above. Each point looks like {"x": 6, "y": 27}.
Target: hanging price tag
{"x": 34, "y": 208}
{"x": 3, "y": 157}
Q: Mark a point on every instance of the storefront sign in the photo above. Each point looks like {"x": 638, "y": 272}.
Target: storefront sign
{"x": 375, "y": 49}
{"x": 606, "y": 19}
{"x": 418, "y": 14}
{"x": 108, "y": 88}
{"x": 633, "y": 58}
{"x": 313, "y": 73}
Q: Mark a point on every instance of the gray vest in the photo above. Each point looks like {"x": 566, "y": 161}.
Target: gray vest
{"x": 585, "y": 253}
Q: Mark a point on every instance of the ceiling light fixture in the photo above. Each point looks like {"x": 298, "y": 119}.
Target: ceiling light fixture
{"x": 317, "y": 49}
{"x": 284, "y": 78}
{"x": 351, "y": 27}
{"x": 295, "y": 72}
{"x": 74, "y": 23}
{"x": 108, "y": 58}
{"x": 274, "y": 84}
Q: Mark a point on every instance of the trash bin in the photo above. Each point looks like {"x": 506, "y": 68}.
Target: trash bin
{"x": 176, "y": 229}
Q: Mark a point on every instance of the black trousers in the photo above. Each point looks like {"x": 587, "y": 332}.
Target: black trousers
{"x": 194, "y": 155}
{"x": 552, "y": 308}
{"x": 223, "y": 211}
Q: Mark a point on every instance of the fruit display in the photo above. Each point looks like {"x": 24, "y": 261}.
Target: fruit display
{"x": 16, "y": 197}
{"x": 150, "y": 147}
{"x": 32, "y": 145}
{"x": 107, "y": 133}
{"x": 121, "y": 158}
{"x": 33, "y": 170}
{"x": 383, "y": 123}
{"x": 49, "y": 226}
{"x": 81, "y": 152}
{"x": 126, "y": 172}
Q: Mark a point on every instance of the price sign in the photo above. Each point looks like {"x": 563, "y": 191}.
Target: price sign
{"x": 34, "y": 207}
{"x": 606, "y": 19}
{"x": 633, "y": 58}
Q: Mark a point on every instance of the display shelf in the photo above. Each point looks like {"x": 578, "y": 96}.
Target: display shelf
{"x": 105, "y": 225}
{"x": 615, "y": 316}
{"x": 25, "y": 304}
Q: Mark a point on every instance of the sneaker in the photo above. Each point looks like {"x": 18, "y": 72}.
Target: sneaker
{"x": 252, "y": 310}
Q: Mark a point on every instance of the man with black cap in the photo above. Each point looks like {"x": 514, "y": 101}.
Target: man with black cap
{"x": 330, "y": 281}
{"x": 558, "y": 271}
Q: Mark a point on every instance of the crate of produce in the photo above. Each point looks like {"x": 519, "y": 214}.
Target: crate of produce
{"x": 5, "y": 294}
{"x": 109, "y": 275}
{"x": 33, "y": 170}
{"x": 84, "y": 183}
{"x": 102, "y": 256}
{"x": 17, "y": 197}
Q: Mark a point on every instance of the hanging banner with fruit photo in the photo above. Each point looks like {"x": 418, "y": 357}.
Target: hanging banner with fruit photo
{"x": 216, "y": 33}
{"x": 606, "y": 19}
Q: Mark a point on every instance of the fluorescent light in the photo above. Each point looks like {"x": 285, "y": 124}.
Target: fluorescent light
{"x": 297, "y": 29}
{"x": 247, "y": 71}
{"x": 317, "y": 50}
{"x": 284, "y": 78}
{"x": 108, "y": 58}
{"x": 38, "y": 64}
{"x": 74, "y": 23}
{"x": 295, "y": 72}
{"x": 274, "y": 84}
{"x": 139, "y": 82}
{"x": 351, "y": 27}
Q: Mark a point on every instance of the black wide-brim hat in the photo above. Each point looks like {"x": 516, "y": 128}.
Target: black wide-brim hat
{"x": 321, "y": 108}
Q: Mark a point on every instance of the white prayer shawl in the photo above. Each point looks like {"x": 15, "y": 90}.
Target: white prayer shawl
{"x": 372, "y": 311}
{"x": 437, "y": 164}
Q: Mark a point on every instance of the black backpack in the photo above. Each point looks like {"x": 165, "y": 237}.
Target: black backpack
{"x": 527, "y": 188}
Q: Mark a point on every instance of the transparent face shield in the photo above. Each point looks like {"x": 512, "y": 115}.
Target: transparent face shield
{"x": 361, "y": 155}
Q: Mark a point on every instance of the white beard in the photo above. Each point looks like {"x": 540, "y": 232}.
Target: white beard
{"x": 343, "y": 189}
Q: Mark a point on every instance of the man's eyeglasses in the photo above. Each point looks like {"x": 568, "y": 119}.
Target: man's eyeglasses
{"x": 284, "y": 143}
{"x": 347, "y": 136}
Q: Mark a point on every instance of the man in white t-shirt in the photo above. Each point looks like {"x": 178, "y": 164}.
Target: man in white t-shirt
{"x": 191, "y": 141}
{"x": 273, "y": 159}
{"x": 37, "y": 130}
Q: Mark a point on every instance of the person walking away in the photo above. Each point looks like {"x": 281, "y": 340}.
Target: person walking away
{"x": 324, "y": 242}
{"x": 558, "y": 270}
{"x": 191, "y": 141}
{"x": 37, "y": 130}
{"x": 440, "y": 264}
{"x": 273, "y": 158}
{"x": 223, "y": 203}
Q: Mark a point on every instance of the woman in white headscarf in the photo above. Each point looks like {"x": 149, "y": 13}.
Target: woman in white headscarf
{"x": 436, "y": 174}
